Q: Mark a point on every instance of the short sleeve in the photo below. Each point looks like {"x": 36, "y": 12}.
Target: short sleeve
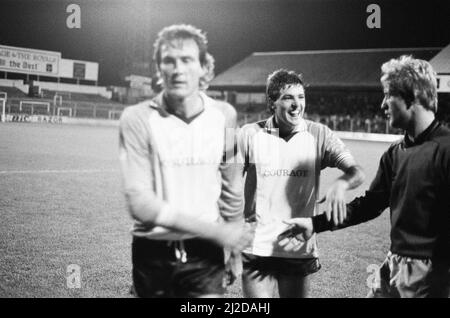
{"x": 335, "y": 153}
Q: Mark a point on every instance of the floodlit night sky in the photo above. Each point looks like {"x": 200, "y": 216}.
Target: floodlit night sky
{"x": 113, "y": 30}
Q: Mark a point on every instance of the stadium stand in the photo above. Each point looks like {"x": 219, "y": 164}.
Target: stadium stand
{"x": 12, "y": 92}
{"x": 60, "y": 103}
{"x": 342, "y": 86}
{"x": 58, "y": 87}
{"x": 49, "y": 94}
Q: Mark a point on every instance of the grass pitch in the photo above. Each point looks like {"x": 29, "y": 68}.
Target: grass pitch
{"x": 61, "y": 204}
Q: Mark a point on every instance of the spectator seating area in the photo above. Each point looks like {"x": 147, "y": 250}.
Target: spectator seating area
{"x": 62, "y": 103}
{"x": 341, "y": 111}
{"x": 358, "y": 112}
{"x": 12, "y": 92}
{"x": 70, "y": 96}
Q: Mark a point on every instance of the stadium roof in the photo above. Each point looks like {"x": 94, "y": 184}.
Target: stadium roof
{"x": 330, "y": 69}
{"x": 441, "y": 62}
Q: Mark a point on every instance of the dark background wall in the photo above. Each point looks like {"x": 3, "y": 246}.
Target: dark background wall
{"x": 119, "y": 34}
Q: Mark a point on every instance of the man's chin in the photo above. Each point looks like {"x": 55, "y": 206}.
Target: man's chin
{"x": 176, "y": 93}
{"x": 294, "y": 121}
{"x": 393, "y": 124}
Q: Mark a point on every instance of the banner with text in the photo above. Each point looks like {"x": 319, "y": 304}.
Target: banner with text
{"x": 78, "y": 69}
{"x": 29, "y": 61}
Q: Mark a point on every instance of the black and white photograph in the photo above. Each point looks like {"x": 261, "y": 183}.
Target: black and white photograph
{"x": 236, "y": 149}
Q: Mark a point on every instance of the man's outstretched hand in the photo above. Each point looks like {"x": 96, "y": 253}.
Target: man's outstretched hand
{"x": 298, "y": 231}
{"x": 335, "y": 206}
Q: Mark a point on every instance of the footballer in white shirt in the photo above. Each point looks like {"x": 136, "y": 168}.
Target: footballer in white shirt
{"x": 185, "y": 200}
{"x": 284, "y": 156}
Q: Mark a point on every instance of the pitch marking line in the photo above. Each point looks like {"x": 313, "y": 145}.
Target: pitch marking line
{"x": 56, "y": 171}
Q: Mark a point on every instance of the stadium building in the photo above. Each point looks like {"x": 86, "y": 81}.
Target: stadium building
{"x": 441, "y": 64}
{"x": 343, "y": 86}
{"x": 38, "y": 82}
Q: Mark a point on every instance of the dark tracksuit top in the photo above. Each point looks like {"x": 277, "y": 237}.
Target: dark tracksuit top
{"x": 413, "y": 180}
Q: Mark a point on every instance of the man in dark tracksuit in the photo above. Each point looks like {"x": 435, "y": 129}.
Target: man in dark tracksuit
{"x": 413, "y": 180}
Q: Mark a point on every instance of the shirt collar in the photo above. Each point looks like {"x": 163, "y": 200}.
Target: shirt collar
{"x": 423, "y": 136}
{"x": 160, "y": 102}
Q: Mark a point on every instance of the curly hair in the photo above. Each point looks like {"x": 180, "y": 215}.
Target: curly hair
{"x": 180, "y": 32}
{"x": 209, "y": 66}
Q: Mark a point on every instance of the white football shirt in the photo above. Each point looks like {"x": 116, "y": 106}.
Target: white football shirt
{"x": 167, "y": 162}
{"x": 283, "y": 177}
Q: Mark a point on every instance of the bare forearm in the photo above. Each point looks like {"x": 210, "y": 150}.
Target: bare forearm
{"x": 180, "y": 221}
{"x": 233, "y": 235}
{"x": 150, "y": 210}
{"x": 354, "y": 176}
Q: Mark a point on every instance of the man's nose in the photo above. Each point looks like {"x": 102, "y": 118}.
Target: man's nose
{"x": 177, "y": 66}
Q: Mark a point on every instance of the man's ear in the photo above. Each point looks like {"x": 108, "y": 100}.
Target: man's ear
{"x": 203, "y": 81}
{"x": 158, "y": 75}
{"x": 157, "y": 81}
{"x": 415, "y": 102}
{"x": 271, "y": 106}
{"x": 205, "y": 67}
{"x": 207, "y": 74}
